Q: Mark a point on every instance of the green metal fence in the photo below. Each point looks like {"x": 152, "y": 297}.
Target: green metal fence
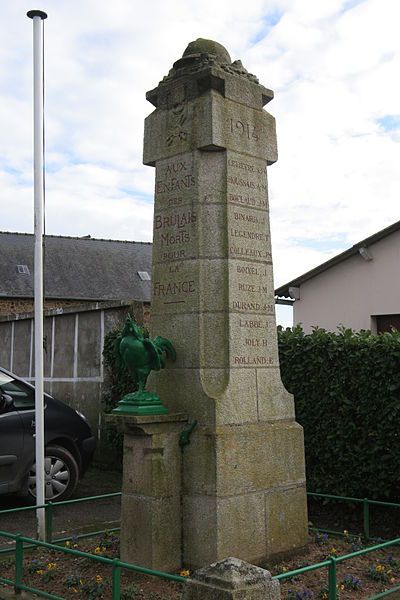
{"x": 49, "y": 512}
{"x": 366, "y": 504}
{"x": 115, "y": 564}
{"x": 331, "y": 564}
{"x": 23, "y": 543}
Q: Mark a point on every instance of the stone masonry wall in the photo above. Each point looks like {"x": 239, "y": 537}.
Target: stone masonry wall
{"x": 15, "y": 306}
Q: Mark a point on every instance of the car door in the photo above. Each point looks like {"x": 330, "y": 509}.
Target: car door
{"x": 16, "y": 433}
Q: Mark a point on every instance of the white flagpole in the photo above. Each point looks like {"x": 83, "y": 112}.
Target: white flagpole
{"x": 38, "y": 16}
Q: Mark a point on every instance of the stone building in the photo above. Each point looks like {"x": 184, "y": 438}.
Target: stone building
{"x": 77, "y": 271}
{"x": 359, "y": 288}
{"x": 90, "y": 286}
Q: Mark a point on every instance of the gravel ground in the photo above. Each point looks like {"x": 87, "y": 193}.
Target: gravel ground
{"x": 75, "y": 518}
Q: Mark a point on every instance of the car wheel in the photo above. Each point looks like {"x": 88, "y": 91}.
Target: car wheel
{"x": 60, "y": 477}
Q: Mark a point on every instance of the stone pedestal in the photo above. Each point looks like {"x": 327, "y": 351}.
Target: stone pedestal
{"x": 151, "y": 515}
{"x": 213, "y": 296}
{"x": 232, "y": 579}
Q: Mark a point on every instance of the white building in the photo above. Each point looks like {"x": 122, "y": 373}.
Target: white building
{"x": 359, "y": 288}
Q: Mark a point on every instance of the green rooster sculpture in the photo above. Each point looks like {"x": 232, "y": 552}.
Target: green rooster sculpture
{"x": 141, "y": 355}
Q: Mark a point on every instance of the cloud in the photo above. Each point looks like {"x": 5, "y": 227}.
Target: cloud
{"x": 333, "y": 66}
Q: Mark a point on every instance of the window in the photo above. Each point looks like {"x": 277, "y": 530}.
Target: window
{"x": 23, "y": 396}
{"x": 23, "y": 269}
{"x": 144, "y": 276}
{"x": 387, "y": 323}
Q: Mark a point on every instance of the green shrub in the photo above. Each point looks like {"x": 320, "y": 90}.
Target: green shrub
{"x": 118, "y": 383}
{"x": 347, "y": 394}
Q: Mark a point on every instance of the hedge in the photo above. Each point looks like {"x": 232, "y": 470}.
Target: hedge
{"x": 347, "y": 395}
{"x": 118, "y": 383}
{"x": 346, "y": 387}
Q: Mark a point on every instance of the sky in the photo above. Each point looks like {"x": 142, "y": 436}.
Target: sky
{"x": 334, "y": 67}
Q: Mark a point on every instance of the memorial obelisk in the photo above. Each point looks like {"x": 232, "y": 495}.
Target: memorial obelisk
{"x": 210, "y": 142}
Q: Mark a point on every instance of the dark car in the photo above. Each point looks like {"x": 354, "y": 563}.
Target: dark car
{"x": 69, "y": 443}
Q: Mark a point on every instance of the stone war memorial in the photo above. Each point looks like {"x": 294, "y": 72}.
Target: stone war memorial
{"x": 222, "y": 474}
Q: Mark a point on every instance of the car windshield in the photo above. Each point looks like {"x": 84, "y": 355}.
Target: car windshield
{"x": 5, "y": 378}
{"x": 22, "y": 395}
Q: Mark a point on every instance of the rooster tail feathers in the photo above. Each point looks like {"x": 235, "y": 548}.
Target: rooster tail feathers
{"x": 154, "y": 354}
{"x": 165, "y": 346}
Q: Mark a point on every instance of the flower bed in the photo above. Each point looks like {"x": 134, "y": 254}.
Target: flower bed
{"x": 358, "y": 578}
{"x": 70, "y": 577}
{"x": 75, "y": 577}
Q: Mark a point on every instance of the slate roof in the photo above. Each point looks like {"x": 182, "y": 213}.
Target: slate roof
{"x": 76, "y": 268}
{"x": 283, "y": 290}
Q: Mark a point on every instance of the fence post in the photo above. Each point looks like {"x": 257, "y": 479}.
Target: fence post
{"x": 332, "y": 578}
{"x": 49, "y": 521}
{"x": 116, "y": 580}
{"x": 366, "y": 518}
{"x": 19, "y": 563}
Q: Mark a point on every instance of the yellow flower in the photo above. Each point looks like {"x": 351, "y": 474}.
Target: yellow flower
{"x": 40, "y": 572}
{"x": 68, "y": 544}
{"x": 51, "y": 566}
{"x": 97, "y": 550}
{"x": 184, "y": 573}
{"x": 99, "y": 579}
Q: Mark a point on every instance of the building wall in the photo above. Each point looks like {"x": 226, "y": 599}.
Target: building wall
{"x": 352, "y": 292}
{"x": 73, "y": 366}
{"x": 15, "y": 306}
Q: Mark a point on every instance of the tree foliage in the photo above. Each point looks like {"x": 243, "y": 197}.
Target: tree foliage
{"x": 347, "y": 394}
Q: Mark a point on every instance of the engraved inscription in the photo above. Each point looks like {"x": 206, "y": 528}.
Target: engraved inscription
{"x": 174, "y": 220}
{"x": 251, "y": 270}
{"x": 174, "y": 269}
{"x": 250, "y": 287}
{"x": 174, "y": 177}
{"x": 247, "y": 183}
{"x": 248, "y": 235}
{"x": 175, "y": 201}
{"x": 175, "y": 184}
{"x": 247, "y": 130}
{"x": 249, "y": 218}
{"x": 173, "y": 230}
{"x": 255, "y": 342}
{"x": 252, "y": 306}
{"x": 168, "y": 290}
{"x": 240, "y": 252}
{"x": 253, "y": 361}
{"x": 169, "y": 239}
{"x": 247, "y": 200}
{"x": 176, "y": 127}
{"x": 253, "y": 323}
{"x": 246, "y": 166}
